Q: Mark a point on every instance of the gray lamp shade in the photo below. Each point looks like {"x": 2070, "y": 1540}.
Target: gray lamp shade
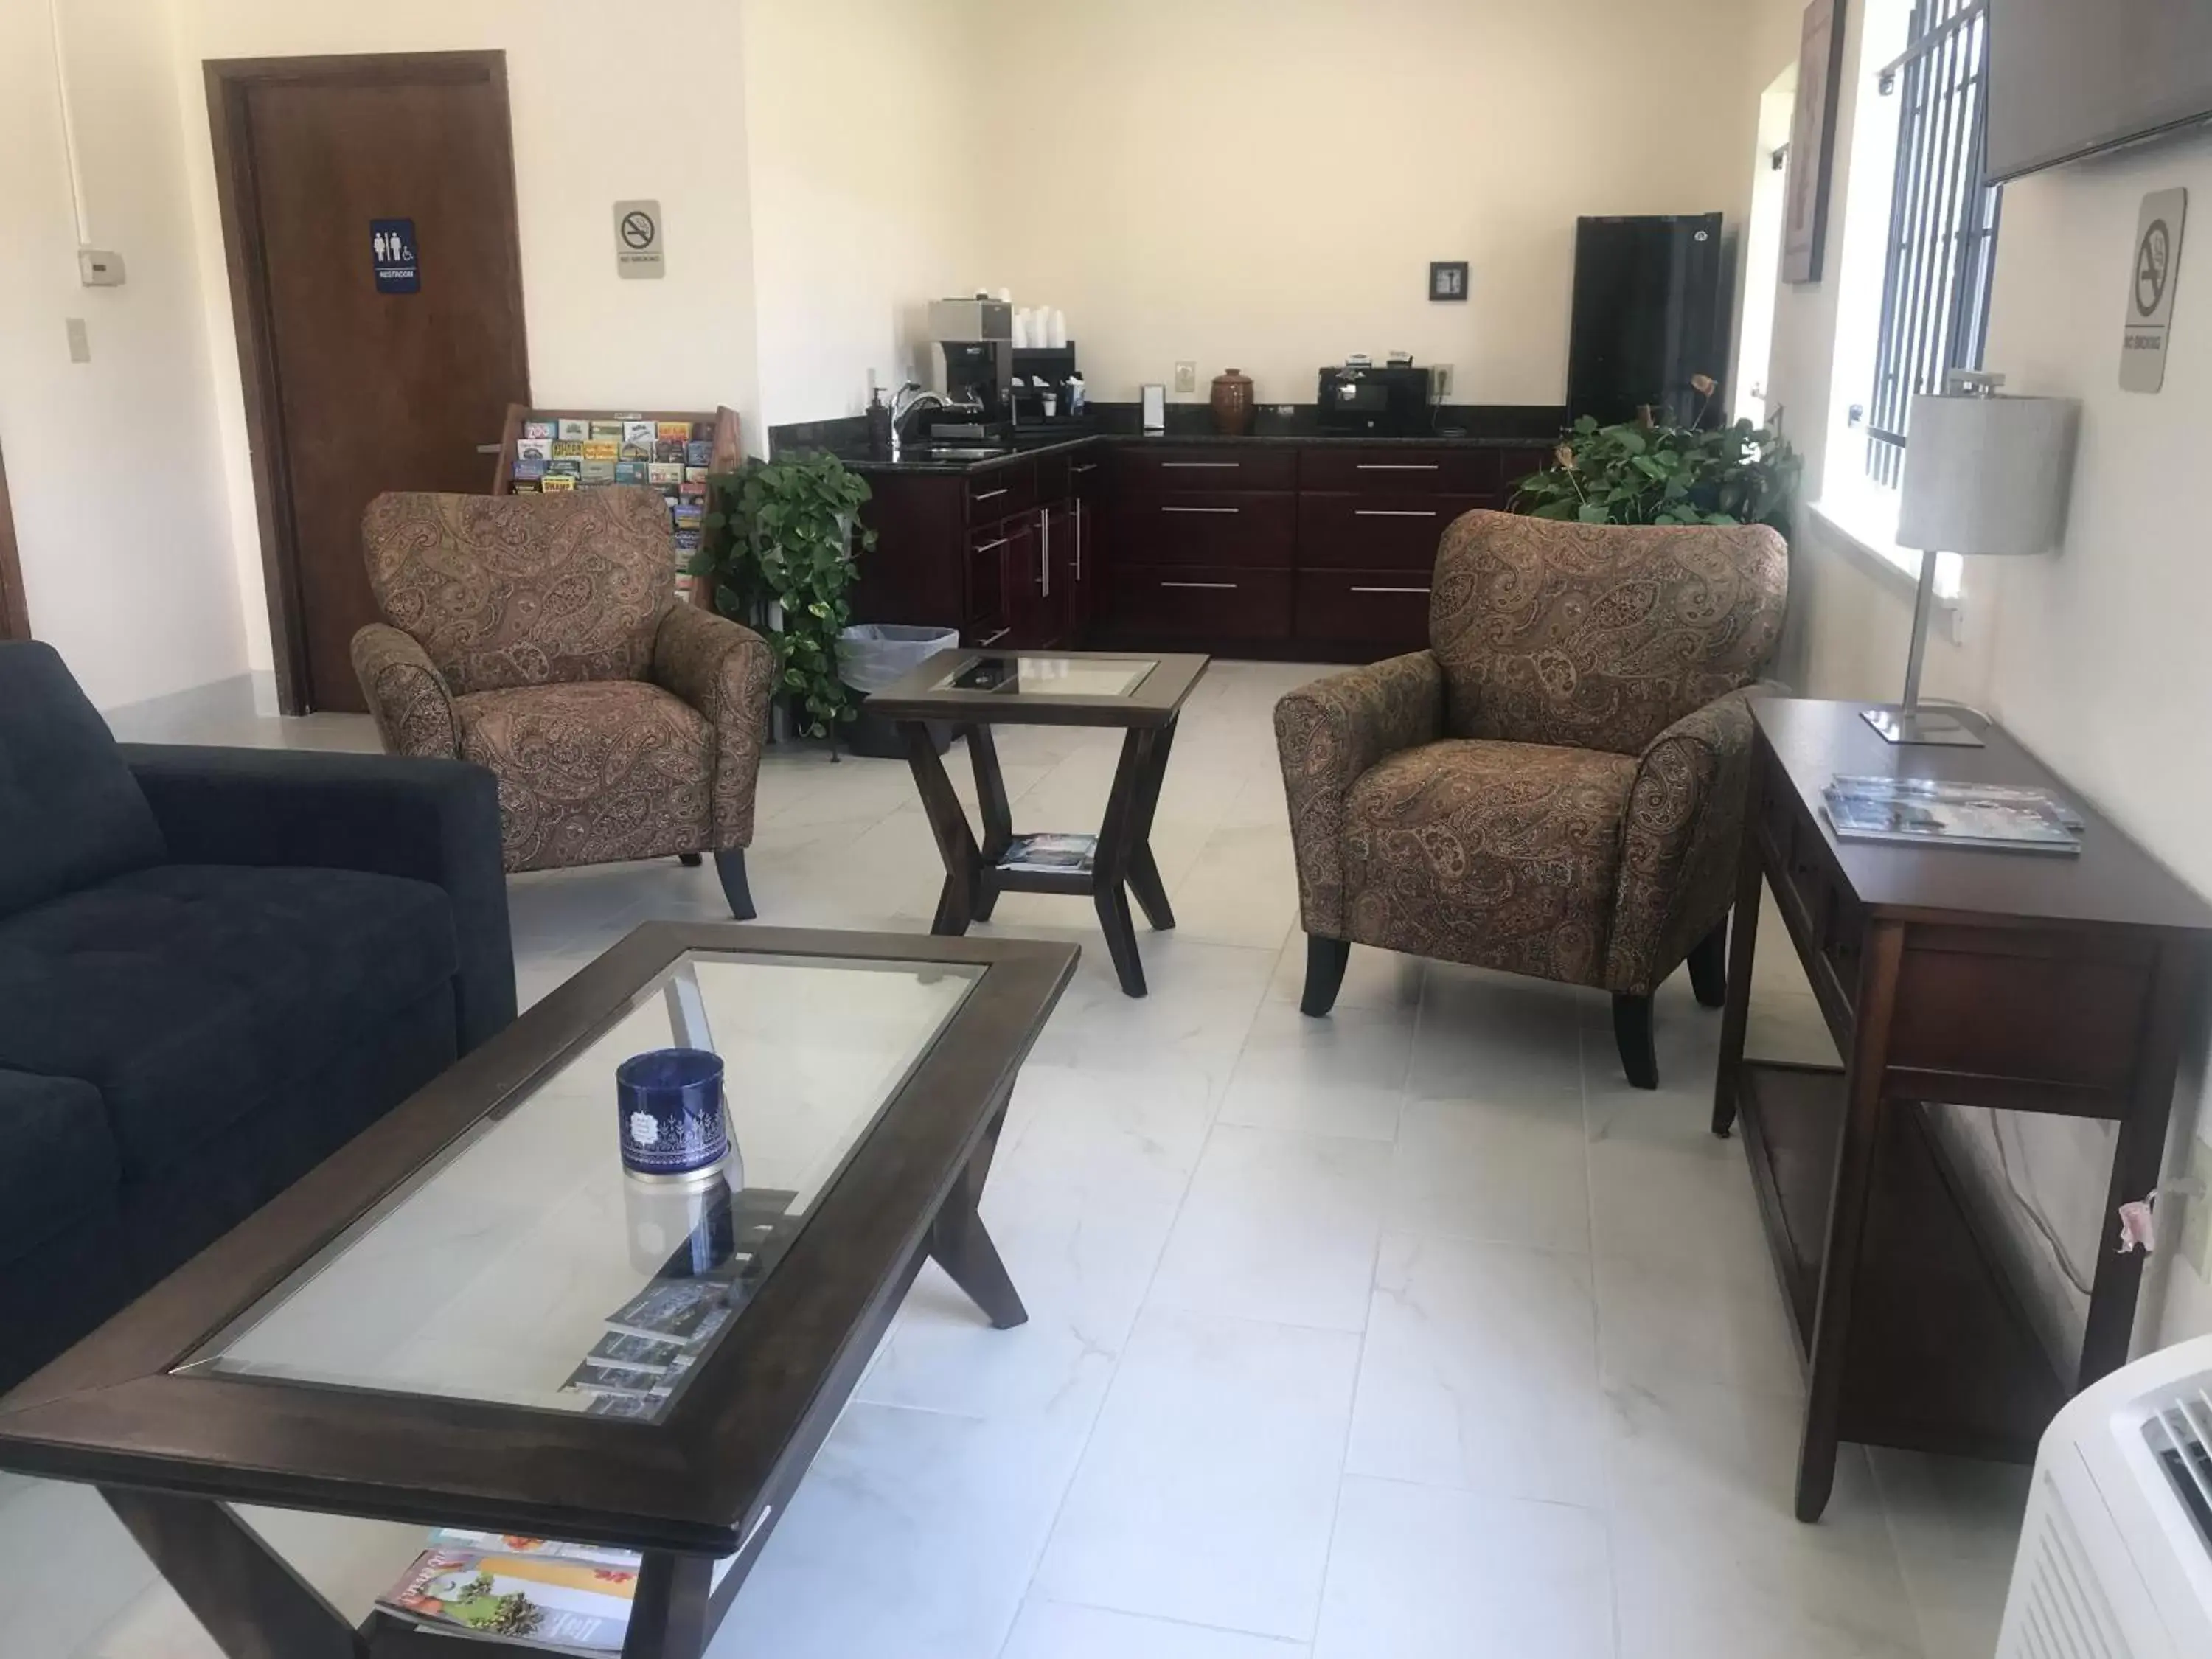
{"x": 1987, "y": 475}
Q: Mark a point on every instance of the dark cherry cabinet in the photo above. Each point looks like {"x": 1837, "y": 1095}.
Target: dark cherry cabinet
{"x": 1320, "y": 550}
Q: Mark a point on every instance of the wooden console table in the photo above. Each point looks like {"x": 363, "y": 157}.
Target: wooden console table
{"x": 2019, "y": 980}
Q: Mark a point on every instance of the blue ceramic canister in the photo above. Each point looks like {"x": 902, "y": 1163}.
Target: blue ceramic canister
{"x": 670, "y": 1106}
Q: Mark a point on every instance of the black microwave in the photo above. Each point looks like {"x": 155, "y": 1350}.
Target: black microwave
{"x": 1390, "y": 402}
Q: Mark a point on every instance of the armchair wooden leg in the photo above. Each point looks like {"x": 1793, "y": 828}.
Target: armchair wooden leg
{"x": 1709, "y": 967}
{"x": 730, "y": 866}
{"x": 690, "y": 860}
{"x": 1325, "y": 963}
{"x": 1632, "y": 1034}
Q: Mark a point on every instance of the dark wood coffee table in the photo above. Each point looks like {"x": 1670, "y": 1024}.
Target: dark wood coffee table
{"x": 1142, "y": 694}
{"x": 391, "y": 1337}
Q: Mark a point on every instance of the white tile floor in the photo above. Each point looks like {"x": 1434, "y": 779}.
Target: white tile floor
{"x": 1411, "y": 1332}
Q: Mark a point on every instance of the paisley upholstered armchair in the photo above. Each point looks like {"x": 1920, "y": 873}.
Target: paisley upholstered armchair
{"x": 541, "y": 637}
{"x": 1556, "y": 786}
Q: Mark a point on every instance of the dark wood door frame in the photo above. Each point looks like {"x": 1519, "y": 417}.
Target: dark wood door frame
{"x": 15, "y": 619}
{"x": 230, "y": 81}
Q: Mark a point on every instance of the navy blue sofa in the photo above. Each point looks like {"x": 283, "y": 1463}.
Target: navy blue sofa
{"x": 218, "y": 966}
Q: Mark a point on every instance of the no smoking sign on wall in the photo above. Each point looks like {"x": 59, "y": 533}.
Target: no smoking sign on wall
{"x": 638, "y": 250}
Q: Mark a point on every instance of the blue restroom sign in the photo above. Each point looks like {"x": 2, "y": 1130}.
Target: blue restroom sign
{"x": 391, "y": 255}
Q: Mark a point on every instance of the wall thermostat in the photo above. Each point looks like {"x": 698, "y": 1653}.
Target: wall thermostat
{"x": 97, "y": 268}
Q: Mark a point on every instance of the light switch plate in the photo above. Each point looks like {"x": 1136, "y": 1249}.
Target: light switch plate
{"x": 80, "y": 341}
{"x": 2197, "y": 1216}
{"x": 1186, "y": 377}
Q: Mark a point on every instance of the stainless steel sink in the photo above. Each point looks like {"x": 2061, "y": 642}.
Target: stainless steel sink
{"x": 949, "y": 453}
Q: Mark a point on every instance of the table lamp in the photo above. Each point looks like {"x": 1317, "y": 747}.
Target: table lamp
{"x": 1984, "y": 474}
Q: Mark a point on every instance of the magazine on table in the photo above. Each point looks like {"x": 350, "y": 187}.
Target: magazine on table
{"x": 1948, "y": 812}
{"x": 1057, "y": 853}
{"x": 564, "y": 1597}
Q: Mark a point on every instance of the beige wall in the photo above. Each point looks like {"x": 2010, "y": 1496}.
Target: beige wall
{"x": 2090, "y": 657}
{"x": 596, "y": 119}
{"x": 1263, "y": 183}
{"x": 868, "y": 185}
{"x": 112, "y": 465}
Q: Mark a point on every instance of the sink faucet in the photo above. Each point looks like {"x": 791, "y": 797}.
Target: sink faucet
{"x": 912, "y": 398}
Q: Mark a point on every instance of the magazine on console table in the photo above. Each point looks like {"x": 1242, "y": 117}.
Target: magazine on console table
{"x": 1948, "y": 812}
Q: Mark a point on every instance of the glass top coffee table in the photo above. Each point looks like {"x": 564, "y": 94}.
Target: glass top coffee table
{"x": 473, "y": 1316}
{"x": 977, "y": 689}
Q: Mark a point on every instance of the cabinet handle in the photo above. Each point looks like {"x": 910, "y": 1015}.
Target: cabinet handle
{"x": 1394, "y": 467}
{"x": 1393, "y": 513}
{"x": 1390, "y": 590}
{"x": 1201, "y": 509}
{"x": 1230, "y": 586}
{"x": 992, "y": 495}
{"x": 1083, "y": 466}
{"x": 1198, "y": 466}
{"x": 993, "y": 638}
{"x": 1044, "y": 555}
{"x": 1079, "y": 541}
{"x": 988, "y": 546}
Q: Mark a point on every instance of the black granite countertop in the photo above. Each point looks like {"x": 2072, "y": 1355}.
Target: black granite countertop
{"x": 1475, "y": 427}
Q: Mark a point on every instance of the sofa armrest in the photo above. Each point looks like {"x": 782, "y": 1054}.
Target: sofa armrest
{"x": 428, "y": 820}
{"x": 1328, "y": 733}
{"x": 413, "y": 707}
{"x": 1680, "y": 841}
{"x": 722, "y": 669}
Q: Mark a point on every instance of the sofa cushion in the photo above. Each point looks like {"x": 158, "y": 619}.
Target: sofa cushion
{"x": 188, "y": 994}
{"x": 1501, "y": 854}
{"x": 70, "y": 812}
{"x": 592, "y": 772}
{"x": 57, "y": 1160}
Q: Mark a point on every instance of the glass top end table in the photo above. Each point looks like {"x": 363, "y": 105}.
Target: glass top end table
{"x": 974, "y": 690}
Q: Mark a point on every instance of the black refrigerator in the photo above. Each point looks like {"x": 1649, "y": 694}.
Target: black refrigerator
{"x": 1651, "y": 298}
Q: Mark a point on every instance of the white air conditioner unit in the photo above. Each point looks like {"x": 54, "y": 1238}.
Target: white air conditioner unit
{"x": 2116, "y": 1559}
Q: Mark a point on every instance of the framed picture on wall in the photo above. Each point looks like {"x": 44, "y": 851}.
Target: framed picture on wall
{"x": 1813, "y": 141}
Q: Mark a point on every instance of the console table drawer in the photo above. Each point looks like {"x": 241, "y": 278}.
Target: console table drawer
{"x": 1215, "y": 527}
{"x": 1341, "y": 531}
{"x": 1198, "y": 601}
{"x": 1385, "y": 608}
{"x": 1208, "y": 467}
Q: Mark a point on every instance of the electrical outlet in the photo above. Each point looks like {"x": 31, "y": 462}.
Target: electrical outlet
{"x": 1439, "y": 382}
{"x": 1186, "y": 377}
{"x": 2197, "y": 1214}
{"x": 79, "y": 342}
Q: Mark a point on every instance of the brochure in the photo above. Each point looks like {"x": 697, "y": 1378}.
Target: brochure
{"x": 1946, "y": 813}
{"x": 1050, "y": 851}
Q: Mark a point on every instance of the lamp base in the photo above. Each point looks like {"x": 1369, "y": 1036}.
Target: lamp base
{"x": 1921, "y": 726}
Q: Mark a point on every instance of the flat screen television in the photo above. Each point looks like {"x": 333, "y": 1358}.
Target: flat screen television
{"x": 2070, "y": 77}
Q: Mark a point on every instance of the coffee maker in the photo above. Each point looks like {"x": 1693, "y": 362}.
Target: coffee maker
{"x": 974, "y": 356}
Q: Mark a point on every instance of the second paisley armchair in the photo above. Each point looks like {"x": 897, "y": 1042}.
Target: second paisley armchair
{"x": 1556, "y": 785}
{"x": 540, "y": 637}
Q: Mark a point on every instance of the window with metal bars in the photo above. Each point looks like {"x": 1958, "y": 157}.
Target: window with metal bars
{"x": 1943, "y": 222}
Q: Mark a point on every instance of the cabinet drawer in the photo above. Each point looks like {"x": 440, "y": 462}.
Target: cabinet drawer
{"x": 1382, "y": 608}
{"x": 1213, "y": 527}
{"x": 1398, "y": 468}
{"x": 1208, "y": 467}
{"x": 1201, "y": 602}
{"x": 1001, "y": 492}
{"x": 1374, "y": 532}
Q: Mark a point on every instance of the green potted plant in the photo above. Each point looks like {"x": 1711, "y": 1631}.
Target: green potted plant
{"x": 1648, "y": 471}
{"x": 778, "y": 541}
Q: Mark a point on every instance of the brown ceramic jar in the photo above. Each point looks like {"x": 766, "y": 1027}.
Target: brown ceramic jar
{"x": 1232, "y": 402}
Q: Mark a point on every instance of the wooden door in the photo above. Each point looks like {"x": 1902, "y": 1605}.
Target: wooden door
{"x": 376, "y": 280}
